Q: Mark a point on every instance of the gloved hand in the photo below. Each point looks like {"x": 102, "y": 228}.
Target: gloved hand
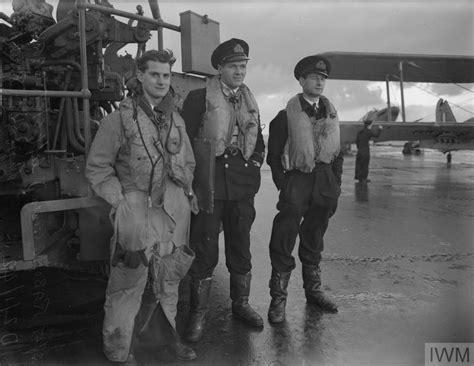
{"x": 130, "y": 259}
{"x": 257, "y": 159}
{"x": 256, "y": 163}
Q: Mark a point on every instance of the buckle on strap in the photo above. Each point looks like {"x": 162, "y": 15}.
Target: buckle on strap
{"x": 232, "y": 150}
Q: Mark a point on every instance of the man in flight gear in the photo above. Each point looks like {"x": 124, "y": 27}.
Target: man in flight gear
{"x": 141, "y": 162}
{"x": 306, "y": 163}
{"x": 225, "y": 112}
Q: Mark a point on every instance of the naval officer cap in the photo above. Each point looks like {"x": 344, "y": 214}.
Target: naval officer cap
{"x": 232, "y": 50}
{"x": 312, "y": 65}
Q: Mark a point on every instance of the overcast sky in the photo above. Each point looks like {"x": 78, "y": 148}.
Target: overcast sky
{"x": 280, "y": 33}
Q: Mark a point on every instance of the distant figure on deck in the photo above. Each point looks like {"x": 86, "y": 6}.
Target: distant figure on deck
{"x": 363, "y": 151}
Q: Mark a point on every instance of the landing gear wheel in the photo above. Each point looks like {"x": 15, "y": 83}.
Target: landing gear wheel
{"x": 448, "y": 158}
{"x": 407, "y": 150}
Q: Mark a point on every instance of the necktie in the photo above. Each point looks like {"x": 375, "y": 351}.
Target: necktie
{"x": 315, "y": 109}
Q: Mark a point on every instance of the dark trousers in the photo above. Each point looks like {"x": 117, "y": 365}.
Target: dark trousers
{"x": 313, "y": 198}
{"x": 362, "y": 164}
{"x": 237, "y": 218}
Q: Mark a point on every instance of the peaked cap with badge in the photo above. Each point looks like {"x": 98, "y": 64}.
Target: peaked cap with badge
{"x": 312, "y": 64}
{"x": 232, "y": 50}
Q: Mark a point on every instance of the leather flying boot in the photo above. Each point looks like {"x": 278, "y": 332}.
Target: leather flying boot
{"x": 239, "y": 293}
{"x": 278, "y": 291}
{"x": 314, "y": 293}
{"x": 200, "y": 290}
{"x": 182, "y": 352}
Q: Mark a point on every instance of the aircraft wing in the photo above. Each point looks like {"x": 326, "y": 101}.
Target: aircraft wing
{"x": 451, "y": 133}
{"x": 416, "y": 68}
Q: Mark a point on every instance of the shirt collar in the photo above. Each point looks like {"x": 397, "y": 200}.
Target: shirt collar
{"x": 228, "y": 91}
{"x": 307, "y": 105}
{"x": 311, "y": 103}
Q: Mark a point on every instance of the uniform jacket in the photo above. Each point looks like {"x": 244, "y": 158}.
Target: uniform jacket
{"x": 279, "y": 135}
{"x": 235, "y": 177}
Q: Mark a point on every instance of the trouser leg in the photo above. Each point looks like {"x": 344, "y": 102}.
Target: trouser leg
{"x": 312, "y": 230}
{"x": 358, "y": 166}
{"x": 122, "y": 303}
{"x": 157, "y": 319}
{"x": 237, "y": 220}
{"x": 283, "y": 238}
{"x": 362, "y": 164}
{"x": 168, "y": 305}
{"x": 312, "y": 233}
{"x": 295, "y": 198}
{"x": 205, "y": 243}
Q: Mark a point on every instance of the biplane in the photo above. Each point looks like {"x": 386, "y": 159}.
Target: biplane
{"x": 443, "y": 134}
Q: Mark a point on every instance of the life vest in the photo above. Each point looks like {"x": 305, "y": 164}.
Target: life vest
{"x": 169, "y": 156}
{"x": 310, "y": 141}
{"x": 220, "y": 119}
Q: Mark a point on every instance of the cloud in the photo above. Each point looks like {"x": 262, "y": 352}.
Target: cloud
{"x": 347, "y": 95}
{"x": 450, "y": 90}
{"x": 270, "y": 78}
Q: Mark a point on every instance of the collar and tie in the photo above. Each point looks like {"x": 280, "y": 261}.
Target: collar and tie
{"x": 313, "y": 103}
{"x": 310, "y": 106}
{"x": 232, "y": 95}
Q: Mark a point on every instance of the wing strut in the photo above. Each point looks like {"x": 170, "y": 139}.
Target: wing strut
{"x": 389, "y": 107}
{"x": 401, "y": 90}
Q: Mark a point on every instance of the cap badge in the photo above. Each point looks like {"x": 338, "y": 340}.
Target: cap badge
{"x": 238, "y": 49}
{"x": 321, "y": 65}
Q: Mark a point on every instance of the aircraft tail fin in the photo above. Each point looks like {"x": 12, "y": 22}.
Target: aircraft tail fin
{"x": 443, "y": 112}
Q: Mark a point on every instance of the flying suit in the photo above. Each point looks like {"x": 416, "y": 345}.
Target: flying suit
{"x": 144, "y": 169}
